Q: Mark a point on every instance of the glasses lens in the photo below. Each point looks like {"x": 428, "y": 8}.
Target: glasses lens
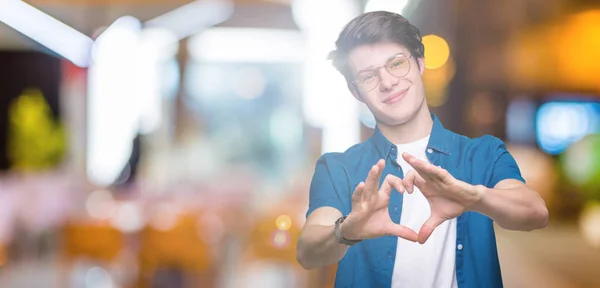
{"x": 367, "y": 80}
{"x": 398, "y": 66}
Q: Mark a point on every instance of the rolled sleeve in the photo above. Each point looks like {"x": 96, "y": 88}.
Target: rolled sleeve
{"x": 322, "y": 189}
{"x": 505, "y": 166}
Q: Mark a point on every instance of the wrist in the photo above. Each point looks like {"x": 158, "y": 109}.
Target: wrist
{"x": 344, "y": 229}
{"x": 347, "y": 228}
{"x": 342, "y": 232}
{"x": 478, "y": 192}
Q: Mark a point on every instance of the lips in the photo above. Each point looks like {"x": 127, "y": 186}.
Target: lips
{"x": 395, "y": 97}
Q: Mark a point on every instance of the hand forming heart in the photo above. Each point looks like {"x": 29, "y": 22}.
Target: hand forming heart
{"x": 447, "y": 197}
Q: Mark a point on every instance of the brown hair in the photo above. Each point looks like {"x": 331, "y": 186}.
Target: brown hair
{"x": 371, "y": 28}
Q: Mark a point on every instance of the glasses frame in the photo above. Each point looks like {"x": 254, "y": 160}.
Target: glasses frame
{"x": 378, "y": 69}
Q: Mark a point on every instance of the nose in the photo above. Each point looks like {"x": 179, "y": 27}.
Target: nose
{"x": 387, "y": 80}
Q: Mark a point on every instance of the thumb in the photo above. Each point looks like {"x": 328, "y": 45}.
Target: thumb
{"x": 428, "y": 227}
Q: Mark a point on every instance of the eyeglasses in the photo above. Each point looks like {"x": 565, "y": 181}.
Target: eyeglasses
{"x": 398, "y": 66}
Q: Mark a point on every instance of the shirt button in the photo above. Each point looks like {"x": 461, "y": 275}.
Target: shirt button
{"x": 459, "y": 247}
{"x": 429, "y": 150}
{"x": 396, "y": 208}
{"x": 390, "y": 255}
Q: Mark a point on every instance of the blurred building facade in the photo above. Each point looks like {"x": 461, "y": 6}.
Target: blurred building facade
{"x": 171, "y": 143}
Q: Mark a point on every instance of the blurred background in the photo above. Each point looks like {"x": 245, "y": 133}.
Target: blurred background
{"x": 170, "y": 143}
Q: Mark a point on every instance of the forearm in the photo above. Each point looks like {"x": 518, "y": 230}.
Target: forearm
{"x": 518, "y": 208}
{"x": 318, "y": 247}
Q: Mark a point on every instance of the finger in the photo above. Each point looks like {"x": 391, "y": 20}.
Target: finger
{"x": 386, "y": 186}
{"x": 380, "y": 164}
{"x": 417, "y": 164}
{"x": 390, "y": 182}
{"x": 414, "y": 162}
{"x": 397, "y": 183}
{"x": 428, "y": 227}
{"x": 408, "y": 158}
{"x": 403, "y": 232}
{"x": 372, "y": 182}
{"x": 433, "y": 173}
{"x": 441, "y": 173}
{"x": 356, "y": 196}
{"x": 409, "y": 181}
{"x": 426, "y": 169}
{"x": 412, "y": 180}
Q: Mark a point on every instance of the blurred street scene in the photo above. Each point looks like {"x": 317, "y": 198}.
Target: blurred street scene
{"x": 171, "y": 143}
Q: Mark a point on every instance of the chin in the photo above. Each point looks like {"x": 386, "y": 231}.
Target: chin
{"x": 398, "y": 116}
{"x": 394, "y": 120}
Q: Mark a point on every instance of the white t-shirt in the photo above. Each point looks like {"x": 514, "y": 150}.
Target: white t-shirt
{"x": 433, "y": 263}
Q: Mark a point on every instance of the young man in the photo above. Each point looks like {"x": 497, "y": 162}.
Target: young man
{"x": 414, "y": 205}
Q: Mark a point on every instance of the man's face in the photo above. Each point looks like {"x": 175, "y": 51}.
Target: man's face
{"x": 388, "y": 80}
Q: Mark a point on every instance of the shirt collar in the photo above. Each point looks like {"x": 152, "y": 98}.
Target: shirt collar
{"x": 439, "y": 140}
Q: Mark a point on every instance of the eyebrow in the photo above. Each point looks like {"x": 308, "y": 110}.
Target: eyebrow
{"x": 370, "y": 67}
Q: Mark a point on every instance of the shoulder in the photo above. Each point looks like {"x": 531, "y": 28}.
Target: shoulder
{"x": 487, "y": 158}
{"x": 344, "y": 168}
{"x": 349, "y": 158}
{"x": 487, "y": 146}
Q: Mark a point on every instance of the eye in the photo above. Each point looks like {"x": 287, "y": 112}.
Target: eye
{"x": 397, "y": 63}
{"x": 366, "y": 77}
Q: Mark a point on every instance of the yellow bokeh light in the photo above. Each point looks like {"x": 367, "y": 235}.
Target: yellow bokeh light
{"x": 436, "y": 83}
{"x": 283, "y": 222}
{"x": 578, "y": 50}
{"x": 437, "y": 51}
{"x": 280, "y": 239}
{"x": 590, "y": 223}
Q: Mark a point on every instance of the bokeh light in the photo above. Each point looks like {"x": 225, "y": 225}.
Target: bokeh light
{"x": 578, "y": 50}
{"x": 436, "y": 83}
{"x": 589, "y": 223}
{"x": 283, "y": 222}
{"x": 520, "y": 121}
{"x": 538, "y": 169}
{"x": 98, "y": 277}
{"x": 128, "y": 217}
{"x": 581, "y": 164}
{"x": 483, "y": 109}
{"x": 164, "y": 216}
{"x": 561, "y": 123}
{"x": 437, "y": 51}
{"x": 280, "y": 239}
{"x": 101, "y": 205}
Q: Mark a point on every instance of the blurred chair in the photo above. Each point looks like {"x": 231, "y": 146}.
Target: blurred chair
{"x": 176, "y": 255}
{"x": 3, "y": 256}
{"x": 270, "y": 251}
{"x": 96, "y": 241}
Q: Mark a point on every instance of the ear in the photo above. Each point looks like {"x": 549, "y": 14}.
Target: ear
{"x": 421, "y": 65}
{"x": 355, "y": 92}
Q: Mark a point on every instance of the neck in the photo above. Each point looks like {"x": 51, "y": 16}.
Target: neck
{"x": 418, "y": 127}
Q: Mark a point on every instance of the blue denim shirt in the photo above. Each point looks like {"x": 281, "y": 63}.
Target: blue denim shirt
{"x": 478, "y": 161}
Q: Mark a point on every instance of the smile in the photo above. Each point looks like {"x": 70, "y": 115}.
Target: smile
{"x": 395, "y": 97}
